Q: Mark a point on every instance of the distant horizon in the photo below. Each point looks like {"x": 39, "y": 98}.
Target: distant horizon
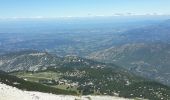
{"x": 81, "y": 8}
{"x": 91, "y": 17}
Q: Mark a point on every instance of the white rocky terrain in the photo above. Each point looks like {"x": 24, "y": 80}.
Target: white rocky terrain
{"x": 12, "y": 93}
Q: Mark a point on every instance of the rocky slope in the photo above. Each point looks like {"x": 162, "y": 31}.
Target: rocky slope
{"x": 12, "y": 93}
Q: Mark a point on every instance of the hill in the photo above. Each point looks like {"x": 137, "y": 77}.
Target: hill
{"x": 79, "y": 75}
{"x": 148, "y": 60}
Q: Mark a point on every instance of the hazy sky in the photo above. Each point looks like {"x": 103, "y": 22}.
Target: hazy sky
{"x": 65, "y": 8}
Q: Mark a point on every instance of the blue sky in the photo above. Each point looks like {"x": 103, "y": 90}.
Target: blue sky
{"x": 80, "y": 8}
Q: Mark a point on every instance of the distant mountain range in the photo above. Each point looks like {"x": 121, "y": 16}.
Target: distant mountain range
{"x": 146, "y": 52}
{"x": 159, "y": 32}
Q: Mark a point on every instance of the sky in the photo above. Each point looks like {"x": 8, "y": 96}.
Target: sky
{"x": 80, "y": 8}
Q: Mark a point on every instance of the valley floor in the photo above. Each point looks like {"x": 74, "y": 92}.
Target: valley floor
{"x": 12, "y": 93}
